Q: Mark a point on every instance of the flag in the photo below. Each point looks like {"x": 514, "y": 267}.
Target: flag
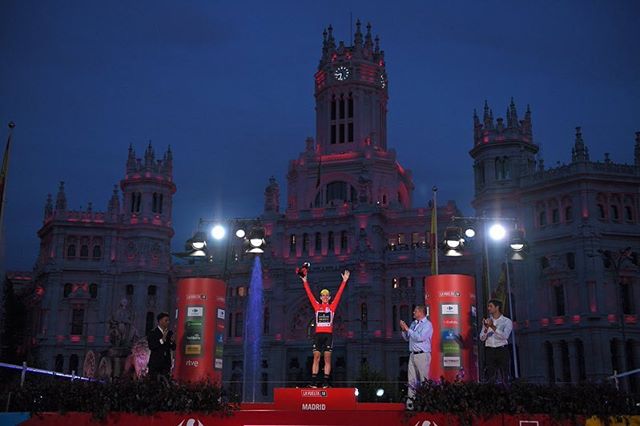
{"x": 319, "y": 170}
{"x": 4, "y": 171}
{"x": 434, "y": 234}
{"x": 500, "y": 293}
{"x": 485, "y": 281}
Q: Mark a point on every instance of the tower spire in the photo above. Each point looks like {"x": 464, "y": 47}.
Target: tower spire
{"x": 357, "y": 39}
{"x": 512, "y": 115}
{"x": 579, "y": 152}
{"x": 61, "y": 198}
{"x": 487, "y": 117}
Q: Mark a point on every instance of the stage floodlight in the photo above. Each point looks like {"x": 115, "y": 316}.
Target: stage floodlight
{"x": 218, "y": 232}
{"x": 497, "y": 232}
{"x": 453, "y": 238}
{"x": 199, "y": 241}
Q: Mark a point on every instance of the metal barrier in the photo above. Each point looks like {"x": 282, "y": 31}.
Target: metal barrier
{"x": 25, "y": 369}
{"x": 616, "y": 376}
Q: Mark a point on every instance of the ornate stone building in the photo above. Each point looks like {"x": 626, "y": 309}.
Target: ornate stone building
{"x": 102, "y": 276}
{"x": 349, "y": 205}
{"x": 576, "y": 294}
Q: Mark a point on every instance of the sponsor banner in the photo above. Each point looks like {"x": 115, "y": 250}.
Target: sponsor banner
{"x": 449, "y": 309}
{"x": 451, "y": 361}
{"x": 193, "y": 311}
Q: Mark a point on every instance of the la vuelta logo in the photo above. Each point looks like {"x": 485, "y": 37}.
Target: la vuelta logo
{"x": 191, "y": 422}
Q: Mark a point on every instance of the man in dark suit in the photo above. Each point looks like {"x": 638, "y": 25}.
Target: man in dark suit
{"x": 161, "y": 342}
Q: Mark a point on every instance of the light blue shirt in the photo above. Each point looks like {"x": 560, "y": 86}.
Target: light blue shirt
{"x": 419, "y": 335}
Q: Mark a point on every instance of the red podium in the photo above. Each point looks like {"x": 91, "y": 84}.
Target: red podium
{"x": 311, "y": 399}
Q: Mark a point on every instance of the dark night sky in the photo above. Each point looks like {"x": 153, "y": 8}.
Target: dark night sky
{"x": 229, "y": 85}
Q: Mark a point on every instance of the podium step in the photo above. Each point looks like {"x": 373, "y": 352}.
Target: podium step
{"x": 312, "y": 399}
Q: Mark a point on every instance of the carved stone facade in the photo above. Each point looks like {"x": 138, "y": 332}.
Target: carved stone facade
{"x": 105, "y": 275}
{"x": 348, "y": 206}
{"x": 581, "y": 275}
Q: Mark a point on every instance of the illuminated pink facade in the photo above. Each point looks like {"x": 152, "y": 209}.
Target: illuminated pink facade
{"x": 104, "y": 275}
{"x": 348, "y": 206}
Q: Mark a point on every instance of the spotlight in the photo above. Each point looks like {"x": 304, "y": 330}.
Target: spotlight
{"x": 256, "y": 241}
{"x": 218, "y": 232}
{"x": 240, "y": 233}
{"x": 497, "y": 232}
{"x": 356, "y": 392}
{"x": 469, "y": 232}
{"x": 379, "y": 392}
{"x": 517, "y": 242}
{"x": 452, "y": 238}
{"x": 199, "y": 241}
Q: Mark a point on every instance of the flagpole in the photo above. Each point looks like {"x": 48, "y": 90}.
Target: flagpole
{"x": 434, "y": 226}
{"x": 3, "y": 178}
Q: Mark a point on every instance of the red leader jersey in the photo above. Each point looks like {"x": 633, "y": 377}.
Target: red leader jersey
{"x": 324, "y": 311}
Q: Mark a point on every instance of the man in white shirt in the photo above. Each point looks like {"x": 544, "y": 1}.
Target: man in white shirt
{"x": 495, "y": 335}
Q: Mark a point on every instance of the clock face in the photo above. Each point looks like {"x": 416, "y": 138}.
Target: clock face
{"x": 341, "y": 73}
{"x": 383, "y": 80}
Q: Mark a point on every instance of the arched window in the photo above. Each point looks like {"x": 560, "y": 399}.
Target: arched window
{"x": 230, "y": 325}
{"x": 364, "y": 316}
{"x": 582, "y": 369}
{"x": 150, "y": 321}
{"x": 566, "y": 364}
{"x": 136, "y": 198}
{"x": 404, "y": 313}
{"x": 129, "y": 290}
{"x": 542, "y": 218}
{"x": 568, "y": 213}
{"x": 344, "y": 241}
{"x": 551, "y": 370}
{"x": 600, "y": 206}
{"x": 615, "y": 214}
{"x": 305, "y": 243}
{"x": 84, "y": 250}
{"x": 77, "y": 322}
{"x": 239, "y": 324}
{"x": 558, "y": 299}
{"x": 151, "y": 290}
{"x": 292, "y": 244}
{"x": 613, "y": 350}
{"x": 265, "y": 321}
{"x": 93, "y": 290}
{"x": 502, "y": 169}
{"x": 626, "y": 294}
{"x": 71, "y": 251}
{"x": 318, "y": 242}
{"x": 73, "y": 364}
{"x": 330, "y": 242}
{"x": 97, "y": 252}
{"x": 336, "y": 191}
{"x": 59, "y": 363}
{"x": 394, "y": 318}
{"x": 67, "y": 290}
{"x": 629, "y": 215}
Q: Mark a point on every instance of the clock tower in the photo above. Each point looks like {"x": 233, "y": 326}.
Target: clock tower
{"x": 351, "y": 94}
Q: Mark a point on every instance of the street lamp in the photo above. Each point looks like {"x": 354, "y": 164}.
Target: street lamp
{"x": 454, "y": 245}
